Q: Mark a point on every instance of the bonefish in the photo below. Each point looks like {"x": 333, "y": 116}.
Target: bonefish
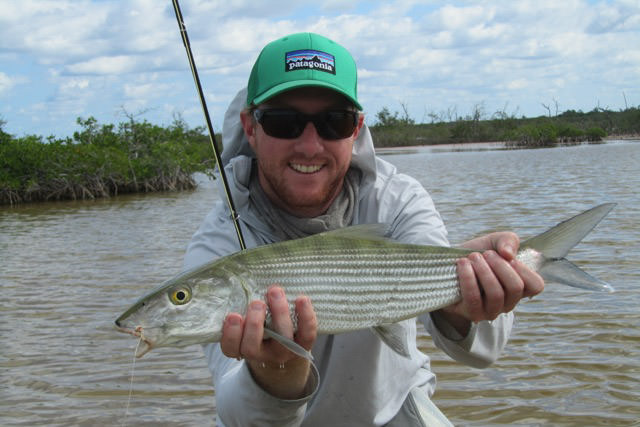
{"x": 356, "y": 279}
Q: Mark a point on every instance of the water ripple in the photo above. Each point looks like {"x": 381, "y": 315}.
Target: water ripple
{"x": 68, "y": 269}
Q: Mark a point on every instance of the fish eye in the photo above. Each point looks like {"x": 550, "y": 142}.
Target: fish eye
{"x": 180, "y": 296}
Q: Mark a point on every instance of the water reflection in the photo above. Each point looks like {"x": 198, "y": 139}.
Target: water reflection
{"x": 442, "y": 148}
{"x": 69, "y": 268}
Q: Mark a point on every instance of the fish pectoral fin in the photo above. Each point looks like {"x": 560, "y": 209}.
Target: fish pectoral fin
{"x": 291, "y": 345}
{"x": 395, "y": 336}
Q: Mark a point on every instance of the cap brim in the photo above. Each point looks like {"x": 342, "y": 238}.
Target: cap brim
{"x": 283, "y": 87}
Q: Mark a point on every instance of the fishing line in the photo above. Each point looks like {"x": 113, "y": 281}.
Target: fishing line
{"x": 133, "y": 368}
{"x": 203, "y": 103}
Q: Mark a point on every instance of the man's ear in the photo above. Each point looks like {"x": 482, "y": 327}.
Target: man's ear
{"x": 358, "y": 126}
{"x": 248, "y": 125}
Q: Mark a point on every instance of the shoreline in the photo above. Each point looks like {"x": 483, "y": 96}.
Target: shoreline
{"x": 488, "y": 145}
{"x": 444, "y": 147}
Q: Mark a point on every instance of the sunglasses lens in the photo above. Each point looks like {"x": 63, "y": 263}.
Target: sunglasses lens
{"x": 289, "y": 124}
{"x": 336, "y": 124}
{"x": 281, "y": 123}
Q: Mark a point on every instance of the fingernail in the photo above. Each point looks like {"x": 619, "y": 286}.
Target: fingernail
{"x": 304, "y": 302}
{"x": 256, "y": 305}
{"x": 474, "y": 257}
{"x": 509, "y": 250}
{"x": 233, "y": 321}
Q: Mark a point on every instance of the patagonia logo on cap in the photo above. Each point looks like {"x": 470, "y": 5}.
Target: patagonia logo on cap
{"x": 310, "y": 60}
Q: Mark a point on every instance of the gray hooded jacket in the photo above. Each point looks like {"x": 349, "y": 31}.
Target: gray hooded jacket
{"x": 360, "y": 381}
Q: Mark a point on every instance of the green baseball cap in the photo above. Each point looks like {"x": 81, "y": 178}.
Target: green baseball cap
{"x": 302, "y": 59}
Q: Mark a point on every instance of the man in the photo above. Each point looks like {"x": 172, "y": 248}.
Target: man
{"x": 300, "y": 161}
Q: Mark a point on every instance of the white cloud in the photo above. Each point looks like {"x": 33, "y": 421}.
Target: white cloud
{"x": 53, "y": 30}
{"x": 74, "y": 85}
{"x": 454, "y": 18}
{"x": 98, "y": 56}
{"x": 6, "y": 83}
{"x": 104, "y": 65}
{"x": 517, "y": 84}
{"x": 145, "y": 90}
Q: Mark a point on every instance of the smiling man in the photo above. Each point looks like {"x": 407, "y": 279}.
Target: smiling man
{"x": 302, "y": 175}
{"x": 301, "y": 161}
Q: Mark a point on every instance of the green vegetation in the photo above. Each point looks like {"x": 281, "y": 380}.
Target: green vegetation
{"x": 104, "y": 160}
{"x": 570, "y": 127}
{"x": 101, "y": 161}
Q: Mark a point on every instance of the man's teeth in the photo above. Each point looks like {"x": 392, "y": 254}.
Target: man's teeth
{"x": 306, "y": 168}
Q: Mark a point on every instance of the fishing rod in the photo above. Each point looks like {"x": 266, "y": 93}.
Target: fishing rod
{"x": 194, "y": 71}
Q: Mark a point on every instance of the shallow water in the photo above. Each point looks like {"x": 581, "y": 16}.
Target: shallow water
{"x": 68, "y": 269}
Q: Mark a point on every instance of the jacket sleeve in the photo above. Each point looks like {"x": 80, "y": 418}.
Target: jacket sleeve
{"x": 482, "y": 345}
{"x": 239, "y": 400}
{"x": 414, "y": 219}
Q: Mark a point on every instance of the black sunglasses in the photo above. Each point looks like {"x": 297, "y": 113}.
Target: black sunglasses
{"x": 289, "y": 124}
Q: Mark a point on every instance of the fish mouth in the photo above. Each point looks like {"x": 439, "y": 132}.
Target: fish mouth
{"x": 145, "y": 344}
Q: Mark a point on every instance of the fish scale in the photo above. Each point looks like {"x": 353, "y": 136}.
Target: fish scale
{"x": 354, "y": 288}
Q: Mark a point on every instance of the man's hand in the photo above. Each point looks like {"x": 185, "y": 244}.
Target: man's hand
{"x": 276, "y": 369}
{"x": 491, "y": 282}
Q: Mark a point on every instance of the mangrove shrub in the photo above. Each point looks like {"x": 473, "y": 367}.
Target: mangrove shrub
{"x": 570, "y": 127}
{"x": 102, "y": 160}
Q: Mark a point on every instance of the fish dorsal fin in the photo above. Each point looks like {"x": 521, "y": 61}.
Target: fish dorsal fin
{"x": 377, "y": 231}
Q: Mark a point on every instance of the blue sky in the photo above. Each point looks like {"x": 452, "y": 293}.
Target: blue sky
{"x": 60, "y": 60}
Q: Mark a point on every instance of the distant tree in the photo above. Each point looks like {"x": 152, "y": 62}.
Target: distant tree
{"x": 4, "y": 137}
{"x": 385, "y": 118}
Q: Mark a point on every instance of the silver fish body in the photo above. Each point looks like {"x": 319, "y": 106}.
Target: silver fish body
{"x": 355, "y": 282}
{"x": 355, "y": 278}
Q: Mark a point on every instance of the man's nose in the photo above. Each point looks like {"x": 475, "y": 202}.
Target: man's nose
{"x": 309, "y": 142}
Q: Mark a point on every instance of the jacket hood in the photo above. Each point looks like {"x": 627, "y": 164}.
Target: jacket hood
{"x": 235, "y": 144}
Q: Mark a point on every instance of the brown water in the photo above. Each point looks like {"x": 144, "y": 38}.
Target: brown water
{"x": 68, "y": 269}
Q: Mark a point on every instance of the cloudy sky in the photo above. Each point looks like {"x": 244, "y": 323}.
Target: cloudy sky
{"x": 63, "y": 59}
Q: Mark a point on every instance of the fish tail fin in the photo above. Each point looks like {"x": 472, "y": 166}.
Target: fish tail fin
{"x": 555, "y": 243}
